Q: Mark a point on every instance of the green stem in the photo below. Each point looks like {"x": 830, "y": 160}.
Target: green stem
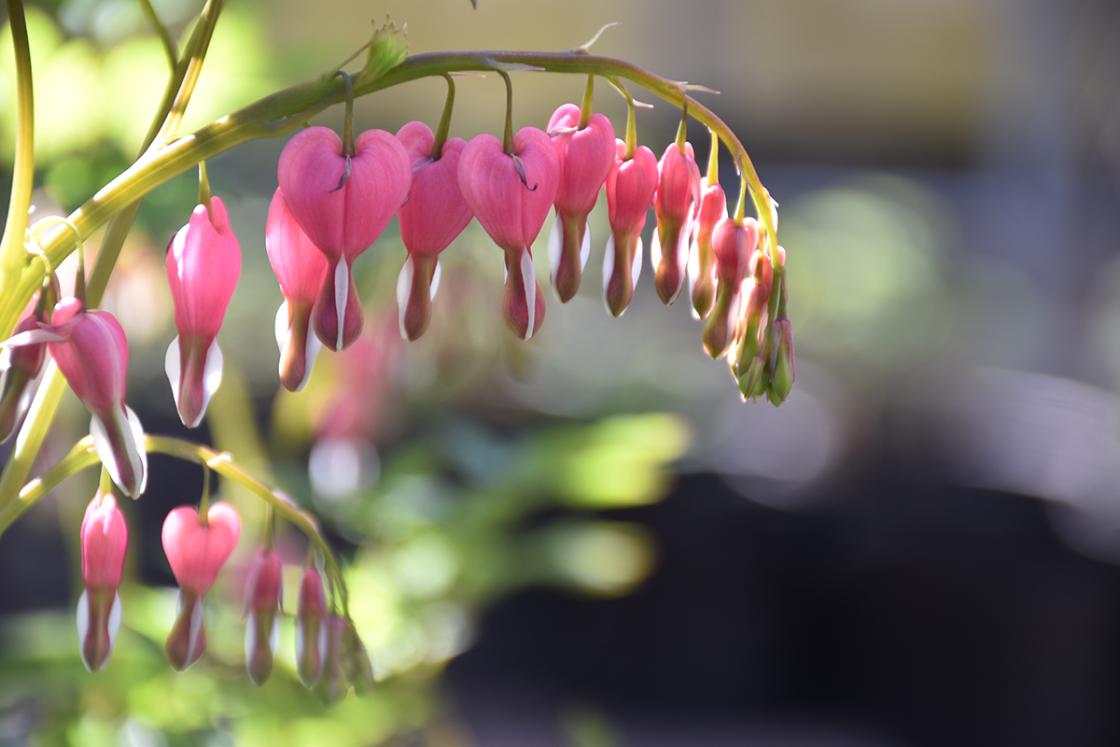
{"x": 713, "y": 161}
{"x": 348, "y": 119}
{"x": 12, "y": 253}
{"x": 682, "y": 128}
{"x": 507, "y": 136}
{"x": 585, "y": 106}
{"x": 161, "y": 31}
{"x": 444, "y": 121}
{"x": 741, "y": 205}
{"x": 203, "y": 185}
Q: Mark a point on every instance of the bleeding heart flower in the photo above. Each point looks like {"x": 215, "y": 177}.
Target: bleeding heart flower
{"x": 702, "y": 260}
{"x": 631, "y": 185}
{"x": 676, "y": 204}
{"x": 262, "y": 603}
{"x": 311, "y": 630}
{"x": 510, "y": 194}
{"x": 734, "y": 243}
{"x": 433, "y": 216}
{"x": 585, "y": 155}
{"x": 203, "y": 266}
{"x": 300, "y": 268}
{"x": 343, "y": 202}
{"x": 91, "y": 351}
{"x": 196, "y": 552}
{"x": 748, "y": 349}
{"x": 104, "y": 540}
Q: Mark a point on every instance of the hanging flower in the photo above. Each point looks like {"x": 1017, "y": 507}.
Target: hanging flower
{"x": 262, "y": 605}
{"x": 104, "y": 539}
{"x": 510, "y": 194}
{"x": 631, "y": 185}
{"x": 203, "y": 266}
{"x": 676, "y": 204}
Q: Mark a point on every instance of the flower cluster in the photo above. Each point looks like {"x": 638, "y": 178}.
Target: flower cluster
{"x": 329, "y": 653}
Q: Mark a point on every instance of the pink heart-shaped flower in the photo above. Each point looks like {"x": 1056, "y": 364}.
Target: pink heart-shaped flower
{"x": 197, "y": 551}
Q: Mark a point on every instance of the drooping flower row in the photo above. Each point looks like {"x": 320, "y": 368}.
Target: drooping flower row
{"x": 329, "y": 653}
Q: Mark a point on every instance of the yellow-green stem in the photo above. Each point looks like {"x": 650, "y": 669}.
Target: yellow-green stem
{"x": 713, "y": 160}
{"x": 444, "y": 121}
{"x": 507, "y": 134}
{"x": 12, "y": 253}
{"x": 161, "y": 32}
{"x": 585, "y": 107}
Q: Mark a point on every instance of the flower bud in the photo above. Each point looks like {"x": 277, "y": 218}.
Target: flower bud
{"x": 631, "y": 185}
{"x": 203, "y": 266}
{"x": 91, "y": 351}
{"x": 585, "y": 156}
{"x": 510, "y": 194}
{"x": 781, "y": 361}
{"x": 733, "y": 245}
{"x": 311, "y": 628}
{"x": 358, "y": 668}
{"x": 750, "y": 332}
{"x": 104, "y": 540}
{"x": 432, "y": 217}
{"x": 262, "y": 603}
{"x": 335, "y": 682}
{"x": 300, "y": 268}
{"x": 702, "y": 260}
{"x": 675, "y": 205}
{"x": 196, "y": 552}
{"x": 342, "y": 202}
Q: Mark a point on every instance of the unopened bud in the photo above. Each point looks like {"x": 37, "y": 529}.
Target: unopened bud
{"x": 311, "y": 631}
{"x": 781, "y": 361}
{"x": 262, "y": 602}
{"x": 187, "y": 640}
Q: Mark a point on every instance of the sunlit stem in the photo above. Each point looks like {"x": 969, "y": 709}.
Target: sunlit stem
{"x": 631, "y": 137}
{"x": 713, "y": 163}
{"x": 23, "y": 173}
{"x": 83, "y": 456}
{"x": 682, "y": 128}
{"x": 348, "y": 118}
{"x": 585, "y": 106}
{"x": 105, "y": 482}
{"x": 507, "y": 135}
{"x": 190, "y": 67}
{"x": 741, "y": 205}
{"x": 444, "y": 120}
{"x": 161, "y": 31}
{"x": 204, "y": 500}
{"x": 204, "y": 192}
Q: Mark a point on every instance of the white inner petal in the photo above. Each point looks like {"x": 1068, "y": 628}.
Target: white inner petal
{"x": 404, "y": 290}
{"x": 555, "y": 244}
{"x": 529, "y": 283}
{"x": 341, "y": 297}
{"x": 585, "y": 247}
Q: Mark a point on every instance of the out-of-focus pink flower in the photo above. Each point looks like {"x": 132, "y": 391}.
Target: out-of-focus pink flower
{"x": 203, "y": 266}
{"x": 434, "y": 214}
{"x": 311, "y": 630}
{"x": 676, "y": 204}
{"x": 510, "y": 194}
{"x": 631, "y": 185}
{"x": 196, "y": 552}
{"x": 104, "y": 540}
{"x": 343, "y": 202}
{"x": 262, "y": 604}
{"x": 300, "y": 269}
{"x": 585, "y": 155}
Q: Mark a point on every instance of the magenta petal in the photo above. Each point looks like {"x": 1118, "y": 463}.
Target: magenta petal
{"x": 299, "y": 265}
{"x": 197, "y": 551}
{"x": 93, "y": 357}
{"x": 203, "y": 266}
{"x": 585, "y": 158}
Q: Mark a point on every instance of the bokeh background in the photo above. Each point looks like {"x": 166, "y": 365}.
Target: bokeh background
{"x": 588, "y": 540}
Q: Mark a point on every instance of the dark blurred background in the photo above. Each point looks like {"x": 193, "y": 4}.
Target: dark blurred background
{"x": 919, "y": 548}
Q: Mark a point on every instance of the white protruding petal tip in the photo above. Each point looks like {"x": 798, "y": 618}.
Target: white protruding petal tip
{"x": 529, "y": 283}
{"x": 555, "y": 244}
{"x": 341, "y": 297}
{"x": 585, "y": 247}
{"x": 404, "y": 290}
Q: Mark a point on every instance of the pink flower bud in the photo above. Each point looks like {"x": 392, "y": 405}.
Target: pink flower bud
{"x": 196, "y": 552}
{"x": 300, "y": 268}
{"x": 19, "y": 367}
{"x": 750, "y": 336}
{"x": 343, "y": 203}
{"x": 676, "y": 204}
{"x": 585, "y": 156}
{"x": 702, "y": 260}
{"x": 262, "y": 603}
{"x": 631, "y": 185}
{"x": 334, "y": 683}
{"x": 91, "y": 351}
{"x": 311, "y": 630}
{"x": 104, "y": 539}
{"x": 511, "y": 194}
{"x": 433, "y": 216}
{"x": 733, "y": 244}
{"x": 203, "y": 266}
